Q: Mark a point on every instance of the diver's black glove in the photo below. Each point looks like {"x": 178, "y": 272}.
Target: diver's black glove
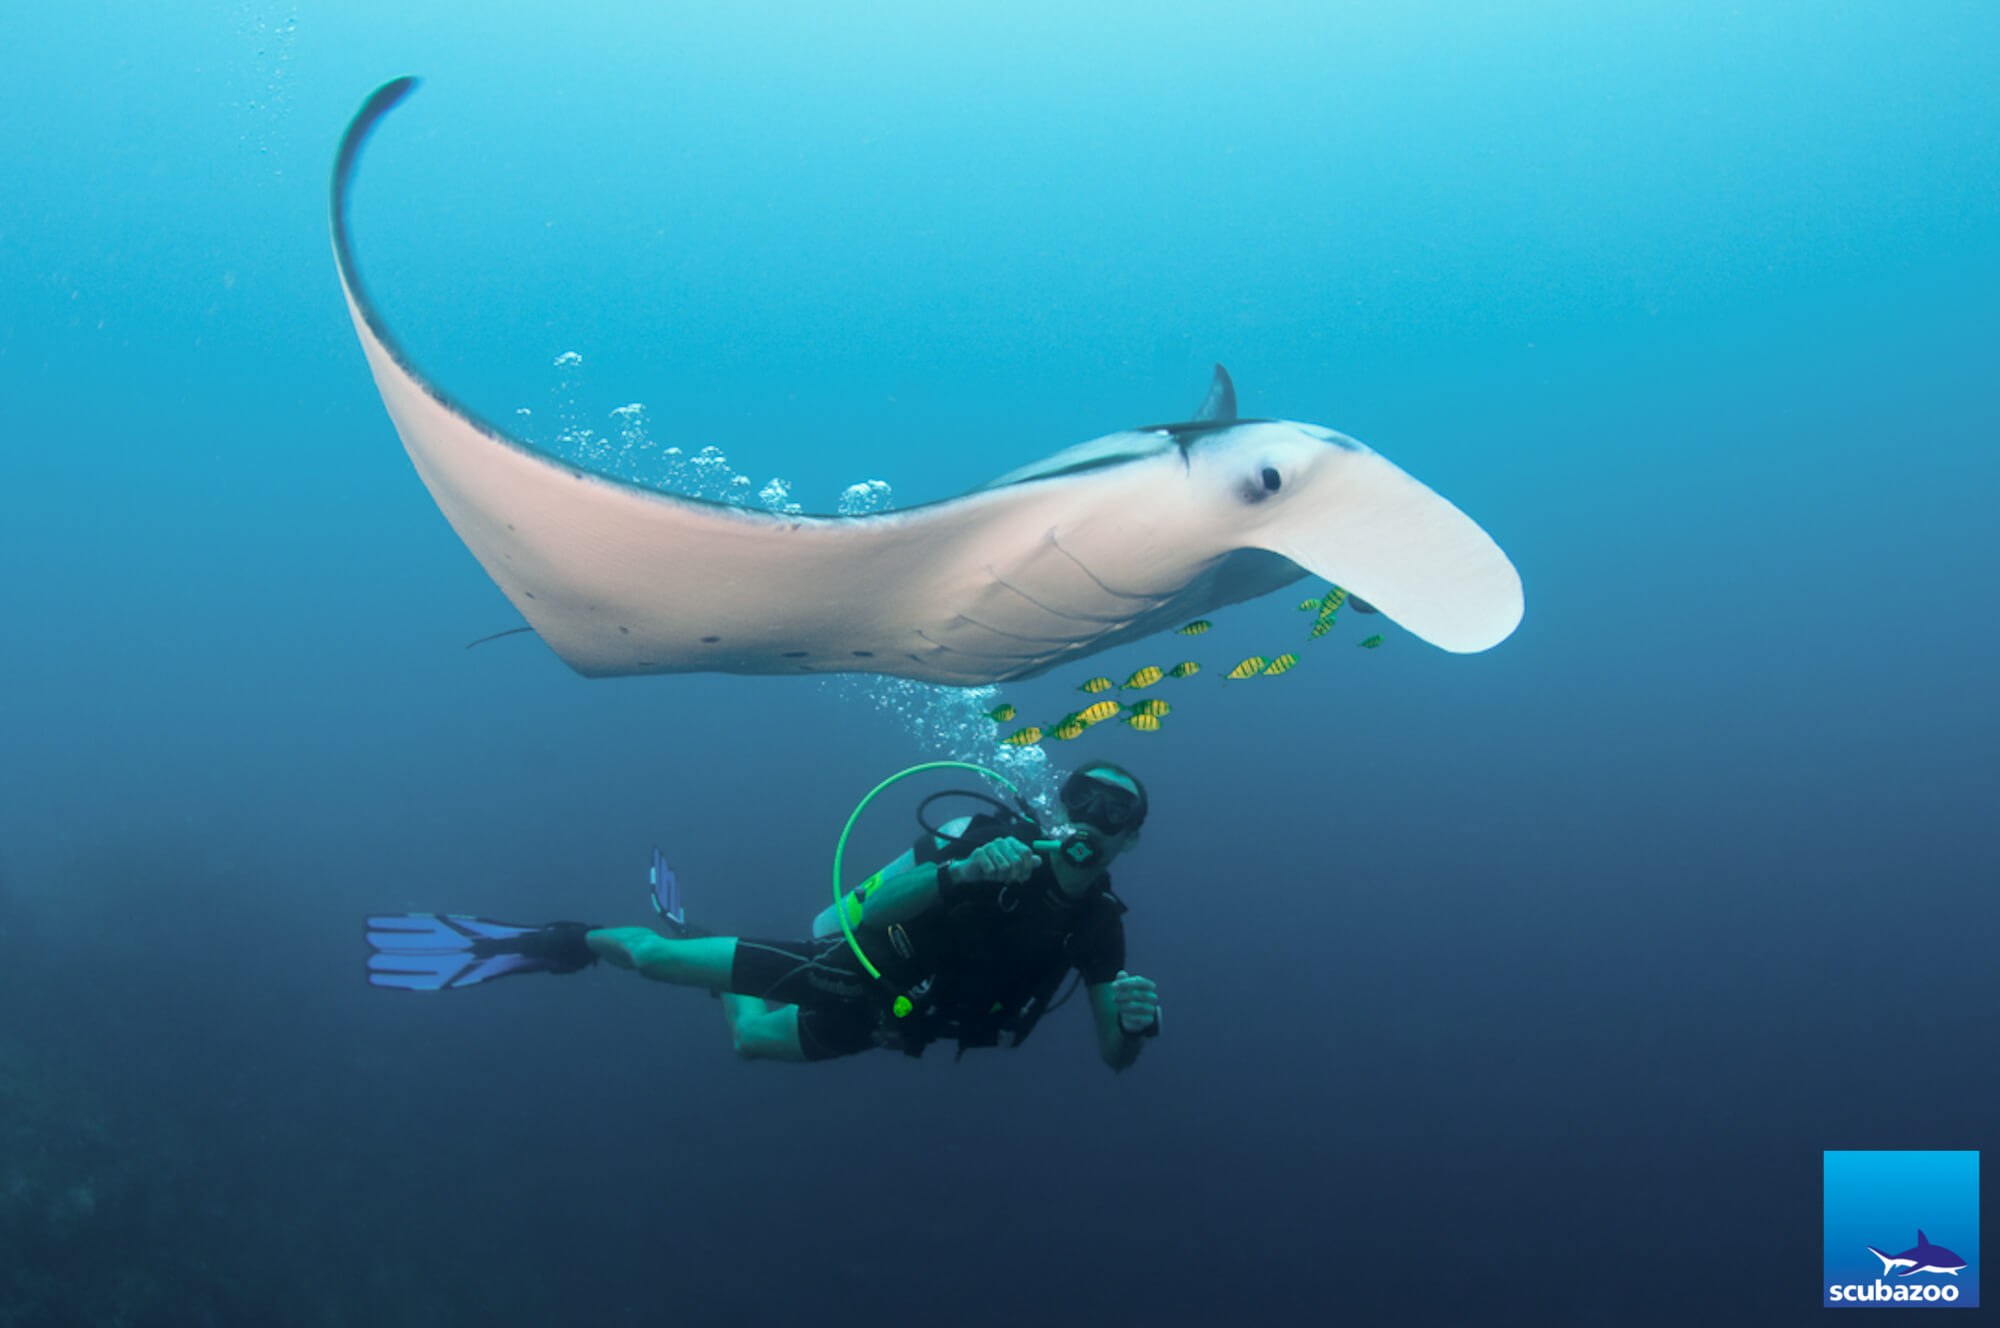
{"x": 558, "y": 947}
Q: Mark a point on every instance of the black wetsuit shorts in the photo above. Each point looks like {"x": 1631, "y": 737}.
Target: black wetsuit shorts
{"x": 839, "y": 1004}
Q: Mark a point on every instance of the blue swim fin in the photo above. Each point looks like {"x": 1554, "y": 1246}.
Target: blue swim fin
{"x": 442, "y": 951}
{"x": 667, "y": 897}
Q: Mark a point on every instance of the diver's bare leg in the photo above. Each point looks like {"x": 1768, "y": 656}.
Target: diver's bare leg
{"x": 702, "y": 961}
{"x": 762, "y": 1032}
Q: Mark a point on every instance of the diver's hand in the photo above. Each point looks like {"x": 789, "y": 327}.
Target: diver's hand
{"x": 1001, "y": 862}
{"x": 1138, "y": 1002}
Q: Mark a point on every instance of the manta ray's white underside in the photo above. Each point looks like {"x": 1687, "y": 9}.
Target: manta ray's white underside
{"x": 1102, "y": 544}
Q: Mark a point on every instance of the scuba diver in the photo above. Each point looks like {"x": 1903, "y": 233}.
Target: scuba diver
{"x": 967, "y": 936}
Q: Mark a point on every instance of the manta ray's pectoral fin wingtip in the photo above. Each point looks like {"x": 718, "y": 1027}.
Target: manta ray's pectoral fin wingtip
{"x": 1219, "y": 406}
{"x": 397, "y": 88}
{"x": 380, "y": 102}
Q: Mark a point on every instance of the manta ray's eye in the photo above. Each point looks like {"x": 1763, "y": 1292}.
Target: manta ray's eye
{"x": 1271, "y": 480}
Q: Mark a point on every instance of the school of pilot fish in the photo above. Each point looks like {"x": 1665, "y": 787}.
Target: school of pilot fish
{"x": 1149, "y": 715}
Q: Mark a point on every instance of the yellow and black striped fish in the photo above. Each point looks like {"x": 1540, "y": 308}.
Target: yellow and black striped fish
{"x": 1187, "y": 668}
{"x": 1026, "y": 737}
{"x": 1097, "y": 714}
{"x": 1145, "y": 677}
{"x": 1095, "y": 685}
{"x": 1369, "y": 642}
{"x": 1001, "y": 713}
{"x": 1155, "y": 707}
{"x": 1144, "y": 723}
{"x": 1335, "y": 597}
{"x": 1320, "y": 628}
{"x": 1195, "y": 628}
{"x": 1072, "y": 727}
{"x": 1249, "y": 668}
{"x": 1308, "y": 605}
{"x": 1282, "y": 664}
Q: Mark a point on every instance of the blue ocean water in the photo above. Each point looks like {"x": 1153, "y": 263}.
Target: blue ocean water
{"x": 1519, "y": 987}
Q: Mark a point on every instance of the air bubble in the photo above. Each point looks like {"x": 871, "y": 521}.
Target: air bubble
{"x": 864, "y": 498}
{"x": 952, "y": 723}
{"x": 627, "y": 450}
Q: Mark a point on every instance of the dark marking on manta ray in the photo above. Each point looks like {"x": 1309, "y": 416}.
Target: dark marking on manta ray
{"x": 1192, "y": 430}
{"x": 1185, "y": 436}
{"x": 1082, "y": 467}
{"x": 527, "y": 594}
{"x": 796, "y": 654}
{"x": 710, "y": 640}
{"x": 864, "y": 654}
{"x": 624, "y": 631}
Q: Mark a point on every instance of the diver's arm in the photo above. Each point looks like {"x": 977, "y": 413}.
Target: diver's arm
{"x": 1110, "y": 1003}
{"x": 906, "y": 887}
{"x": 1118, "y": 1051}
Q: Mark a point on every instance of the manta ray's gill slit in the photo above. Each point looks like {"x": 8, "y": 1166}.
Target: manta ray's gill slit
{"x": 1052, "y": 611}
{"x": 972, "y": 664}
{"x": 1021, "y": 657}
{"x": 1014, "y": 636}
{"x": 1055, "y": 542}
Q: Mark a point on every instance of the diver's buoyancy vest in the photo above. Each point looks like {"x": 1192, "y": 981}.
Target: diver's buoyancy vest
{"x": 996, "y": 955}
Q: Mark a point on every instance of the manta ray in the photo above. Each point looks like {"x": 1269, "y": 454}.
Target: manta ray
{"x": 1101, "y": 544}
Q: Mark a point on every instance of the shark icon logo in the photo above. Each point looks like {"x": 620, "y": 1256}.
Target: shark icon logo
{"x": 1923, "y": 1257}
{"x": 1867, "y": 1192}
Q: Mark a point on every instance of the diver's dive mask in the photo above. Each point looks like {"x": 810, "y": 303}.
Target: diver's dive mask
{"x": 1101, "y": 805}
